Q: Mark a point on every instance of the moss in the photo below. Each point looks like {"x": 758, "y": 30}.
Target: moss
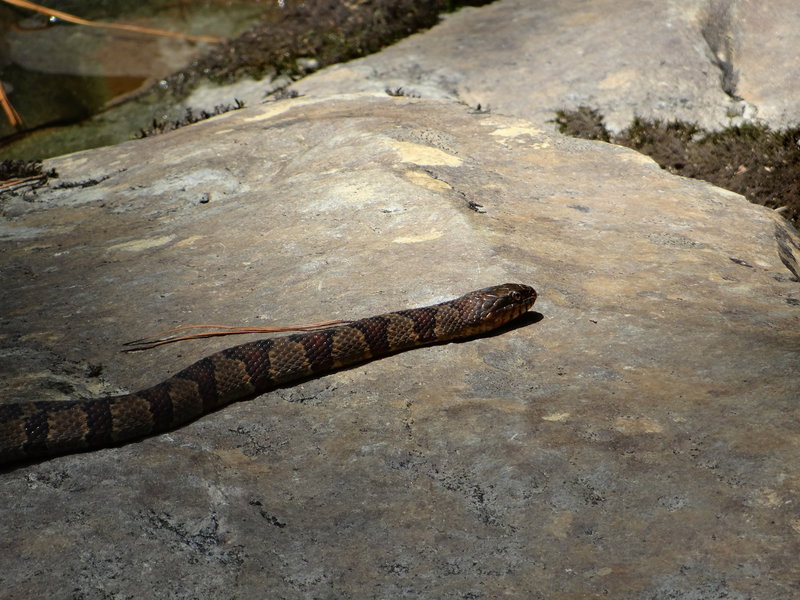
{"x": 586, "y": 123}
{"x": 160, "y": 126}
{"x": 20, "y": 169}
{"x": 753, "y": 160}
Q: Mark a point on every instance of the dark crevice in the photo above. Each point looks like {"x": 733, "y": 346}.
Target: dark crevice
{"x": 718, "y": 34}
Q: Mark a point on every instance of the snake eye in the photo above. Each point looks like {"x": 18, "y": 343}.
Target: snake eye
{"x": 516, "y": 296}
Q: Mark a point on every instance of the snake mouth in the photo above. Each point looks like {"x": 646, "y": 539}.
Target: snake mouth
{"x": 506, "y": 302}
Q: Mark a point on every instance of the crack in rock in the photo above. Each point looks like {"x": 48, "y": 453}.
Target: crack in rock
{"x": 718, "y": 34}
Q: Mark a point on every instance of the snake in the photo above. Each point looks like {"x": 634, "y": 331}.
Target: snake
{"x": 48, "y": 428}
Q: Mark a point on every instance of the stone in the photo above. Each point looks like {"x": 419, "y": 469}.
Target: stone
{"x": 713, "y": 63}
{"x": 763, "y": 41}
{"x": 637, "y": 439}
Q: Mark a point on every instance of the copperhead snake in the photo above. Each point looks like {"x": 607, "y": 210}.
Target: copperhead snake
{"x": 35, "y": 430}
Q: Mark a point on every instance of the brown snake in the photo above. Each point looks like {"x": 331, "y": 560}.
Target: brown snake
{"x": 43, "y": 429}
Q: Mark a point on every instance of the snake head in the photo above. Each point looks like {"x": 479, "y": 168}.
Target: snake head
{"x": 494, "y": 306}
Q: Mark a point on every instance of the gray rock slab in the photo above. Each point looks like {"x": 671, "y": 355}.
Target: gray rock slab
{"x": 712, "y": 62}
{"x": 764, "y": 40}
{"x": 639, "y": 441}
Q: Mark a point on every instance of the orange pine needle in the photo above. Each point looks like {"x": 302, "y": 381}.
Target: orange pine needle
{"x": 158, "y": 340}
{"x": 11, "y": 113}
{"x": 77, "y": 20}
{"x": 13, "y": 184}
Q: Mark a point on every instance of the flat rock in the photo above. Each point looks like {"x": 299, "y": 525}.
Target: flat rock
{"x": 715, "y": 63}
{"x": 765, "y": 37}
{"x": 639, "y": 440}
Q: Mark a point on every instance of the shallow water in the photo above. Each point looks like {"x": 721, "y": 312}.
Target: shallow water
{"x": 57, "y": 73}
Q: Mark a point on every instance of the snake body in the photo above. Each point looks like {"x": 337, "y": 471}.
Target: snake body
{"x": 42, "y": 429}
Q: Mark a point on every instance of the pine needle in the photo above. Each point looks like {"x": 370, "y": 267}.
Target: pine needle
{"x": 121, "y": 26}
{"x": 167, "y": 337}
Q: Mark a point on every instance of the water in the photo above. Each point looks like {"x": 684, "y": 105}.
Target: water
{"x": 57, "y": 73}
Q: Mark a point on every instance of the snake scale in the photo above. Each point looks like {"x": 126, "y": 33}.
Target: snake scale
{"x": 35, "y": 430}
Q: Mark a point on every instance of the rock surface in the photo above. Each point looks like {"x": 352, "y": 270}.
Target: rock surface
{"x": 763, "y": 38}
{"x": 706, "y": 61}
{"x": 639, "y": 441}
